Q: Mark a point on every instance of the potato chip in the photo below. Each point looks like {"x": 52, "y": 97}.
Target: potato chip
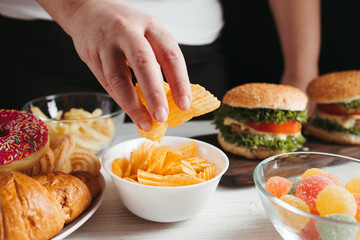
{"x": 138, "y": 155}
{"x": 172, "y": 159}
{"x": 119, "y": 166}
{"x": 156, "y": 161}
{"x": 157, "y": 165}
{"x": 187, "y": 168}
{"x": 187, "y": 150}
{"x": 141, "y": 95}
{"x": 202, "y": 102}
{"x": 130, "y": 179}
{"x": 208, "y": 173}
{"x": 157, "y": 132}
{"x": 152, "y": 179}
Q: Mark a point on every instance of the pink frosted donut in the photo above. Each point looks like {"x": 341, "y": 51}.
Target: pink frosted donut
{"x": 24, "y": 139}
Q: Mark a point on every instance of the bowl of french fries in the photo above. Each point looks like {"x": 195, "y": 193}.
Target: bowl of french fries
{"x": 169, "y": 181}
{"x": 92, "y": 118}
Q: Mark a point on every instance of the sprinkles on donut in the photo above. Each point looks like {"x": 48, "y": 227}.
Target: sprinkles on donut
{"x": 24, "y": 139}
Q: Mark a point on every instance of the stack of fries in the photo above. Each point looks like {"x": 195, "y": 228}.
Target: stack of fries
{"x": 90, "y": 132}
{"x": 155, "y": 165}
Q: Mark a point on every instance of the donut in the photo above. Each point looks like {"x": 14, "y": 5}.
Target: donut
{"x": 24, "y": 139}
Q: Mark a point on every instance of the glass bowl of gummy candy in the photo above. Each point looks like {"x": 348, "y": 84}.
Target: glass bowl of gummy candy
{"x": 311, "y": 195}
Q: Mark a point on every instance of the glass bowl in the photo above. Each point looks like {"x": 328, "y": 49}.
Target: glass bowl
{"x": 291, "y": 222}
{"x": 92, "y": 118}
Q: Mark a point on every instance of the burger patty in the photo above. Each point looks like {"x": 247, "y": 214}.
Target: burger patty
{"x": 240, "y": 129}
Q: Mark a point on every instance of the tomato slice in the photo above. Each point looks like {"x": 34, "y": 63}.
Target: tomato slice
{"x": 289, "y": 127}
{"x": 332, "y": 109}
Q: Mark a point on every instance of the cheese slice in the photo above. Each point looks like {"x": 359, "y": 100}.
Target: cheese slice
{"x": 345, "y": 121}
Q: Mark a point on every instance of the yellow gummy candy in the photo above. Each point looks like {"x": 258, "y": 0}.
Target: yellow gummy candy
{"x": 335, "y": 199}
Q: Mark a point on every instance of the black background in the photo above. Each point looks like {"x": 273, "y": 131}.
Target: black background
{"x": 253, "y": 48}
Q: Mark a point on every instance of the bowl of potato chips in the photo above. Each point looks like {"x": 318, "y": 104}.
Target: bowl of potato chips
{"x": 92, "y": 118}
{"x": 169, "y": 181}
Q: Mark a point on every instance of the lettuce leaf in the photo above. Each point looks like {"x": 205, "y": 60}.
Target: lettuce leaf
{"x": 258, "y": 115}
{"x": 351, "y": 106}
{"x": 290, "y": 144}
{"x": 332, "y": 126}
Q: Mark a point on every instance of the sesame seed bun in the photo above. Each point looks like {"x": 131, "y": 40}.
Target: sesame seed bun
{"x": 335, "y": 87}
{"x": 266, "y": 95}
{"x": 334, "y": 137}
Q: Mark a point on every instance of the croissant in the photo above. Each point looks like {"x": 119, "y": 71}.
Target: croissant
{"x": 72, "y": 193}
{"x": 27, "y": 210}
{"x": 90, "y": 180}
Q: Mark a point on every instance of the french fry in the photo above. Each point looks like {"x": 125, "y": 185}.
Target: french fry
{"x": 90, "y": 134}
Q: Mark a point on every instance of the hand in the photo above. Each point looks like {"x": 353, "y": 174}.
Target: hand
{"x": 300, "y": 78}
{"x": 110, "y": 36}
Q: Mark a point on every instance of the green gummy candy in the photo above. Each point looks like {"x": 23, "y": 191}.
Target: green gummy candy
{"x": 295, "y": 181}
{"x": 336, "y": 231}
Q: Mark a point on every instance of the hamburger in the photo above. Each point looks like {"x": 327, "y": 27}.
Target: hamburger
{"x": 335, "y": 116}
{"x": 258, "y": 120}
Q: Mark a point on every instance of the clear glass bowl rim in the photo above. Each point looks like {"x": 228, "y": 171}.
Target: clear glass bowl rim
{"x": 288, "y": 206}
{"x": 53, "y": 96}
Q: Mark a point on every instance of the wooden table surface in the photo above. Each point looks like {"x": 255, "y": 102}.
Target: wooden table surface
{"x": 232, "y": 213}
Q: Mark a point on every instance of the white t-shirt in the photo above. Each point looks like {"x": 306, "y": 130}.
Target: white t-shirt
{"x": 192, "y": 22}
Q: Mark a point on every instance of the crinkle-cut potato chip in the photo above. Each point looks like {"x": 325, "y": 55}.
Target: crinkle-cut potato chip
{"x": 119, "y": 166}
{"x": 130, "y": 179}
{"x": 156, "y": 134}
{"x": 202, "y": 102}
{"x": 187, "y": 150}
{"x": 152, "y": 179}
{"x": 208, "y": 173}
{"x": 158, "y": 165}
{"x": 156, "y": 161}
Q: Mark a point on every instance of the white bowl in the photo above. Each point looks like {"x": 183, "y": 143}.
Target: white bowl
{"x": 166, "y": 204}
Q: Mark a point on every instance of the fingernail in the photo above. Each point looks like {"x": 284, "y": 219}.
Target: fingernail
{"x": 161, "y": 114}
{"x": 184, "y": 103}
{"x": 145, "y": 125}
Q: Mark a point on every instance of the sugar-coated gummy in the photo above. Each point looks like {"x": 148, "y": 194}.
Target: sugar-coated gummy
{"x": 313, "y": 171}
{"x": 335, "y": 179}
{"x": 334, "y": 199}
{"x": 353, "y": 185}
{"x": 335, "y": 230}
{"x": 357, "y": 200}
{"x": 291, "y": 219}
{"x": 309, "y": 232}
{"x": 308, "y": 189}
{"x": 278, "y": 186}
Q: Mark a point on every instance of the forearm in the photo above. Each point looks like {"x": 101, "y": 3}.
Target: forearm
{"x": 298, "y": 24}
{"x": 62, "y": 11}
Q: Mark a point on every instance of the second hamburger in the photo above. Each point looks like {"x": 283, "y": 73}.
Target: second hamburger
{"x": 336, "y": 113}
{"x": 258, "y": 120}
